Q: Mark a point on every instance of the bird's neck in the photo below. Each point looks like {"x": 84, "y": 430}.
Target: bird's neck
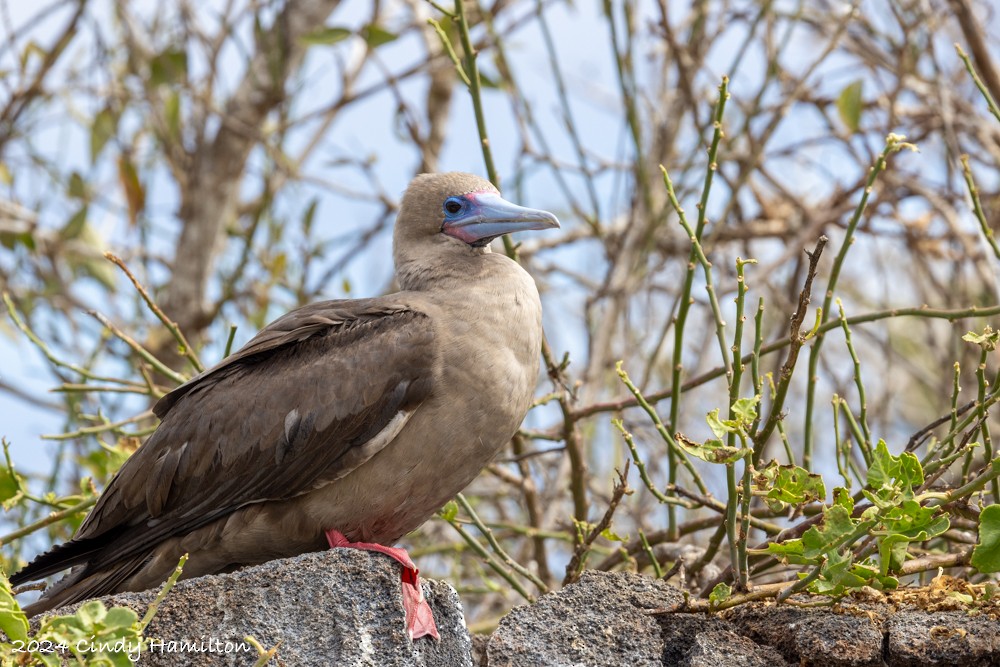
{"x": 442, "y": 267}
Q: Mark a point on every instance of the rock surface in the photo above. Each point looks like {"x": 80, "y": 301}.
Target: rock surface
{"x": 343, "y": 607}
{"x": 604, "y": 619}
{"x": 339, "y": 607}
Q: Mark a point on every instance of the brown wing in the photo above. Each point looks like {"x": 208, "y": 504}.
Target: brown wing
{"x": 288, "y": 412}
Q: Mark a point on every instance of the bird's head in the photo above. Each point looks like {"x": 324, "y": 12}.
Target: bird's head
{"x": 456, "y": 213}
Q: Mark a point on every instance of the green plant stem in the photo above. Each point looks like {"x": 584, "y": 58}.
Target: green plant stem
{"x": 800, "y": 584}
{"x": 167, "y": 585}
{"x": 852, "y": 423}
{"x": 51, "y": 518}
{"x": 491, "y": 560}
{"x": 99, "y": 428}
{"x": 744, "y": 569}
{"x": 977, "y": 207}
{"x": 44, "y": 349}
{"x": 866, "y": 440}
{"x": 956, "y": 388}
{"x": 679, "y": 454}
{"x": 893, "y": 143}
{"x": 476, "y": 92}
{"x": 699, "y": 253}
{"x": 734, "y": 557}
{"x": 684, "y": 304}
{"x": 842, "y": 467}
{"x": 931, "y": 313}
{"x": 641, "y": 467}
{"x": 264, "y": 655}
{"x": 185, "y": 347}
{"x": 941, "y": 455}
{"x": 71, "y": 388}
{"x": 492, "y": 540}
{"x": 657, "y": 570}
{"x": 984, "y": 425}
{"x": 229, "y": 341}
{"x": 758, "y": 342}
{"x": 146, "y": 355}
{"x": 990, "y": 102}
{"x": 967, "y": 489}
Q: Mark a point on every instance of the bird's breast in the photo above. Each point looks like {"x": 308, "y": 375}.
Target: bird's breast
{"x": 489, "y": 341}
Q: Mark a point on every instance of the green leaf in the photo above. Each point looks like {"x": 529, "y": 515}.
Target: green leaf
{"x": 135, "y": 194}
{"x": 986, "y": 554}
{"x": 74, "y": 226}
{"x": 486, "y": 81}
{"x": 892, "y": 479}
{"x": 892, "y": 551}
{"x": 745, "y": 410}
{"x": 720, "y": 593}
{"x": 76, "y": 187}
{"x": 325, "y": 36}
{"x": 9, "y": 486}
{"x": 721, "y": 428}
{"x": 309, "y": 215}
{"x": 612, "y": 536}
{"x": 882, "y": 466}
{"x": 120, "y": 618}
{"x": 788, "y": 552}
{"x": 375, "y": 36}
{"x": 908, "y": 522}
{"x": 449, "y": 511}
{"x": 986, "y": 340}
{"x": 13, "y": 622}
{"x": 168, "y": 67}
{"x": 849, "y": 105}
{"x": 91, "y": 613}
{"x": 101, "y": 130}
{"x": 837, "y": 575}
{"x": 842, "y": 497}
{"x": 712, "y": 451}
{"x": 823, "y": 538}
{"x": 784, "y": 485}
{"x": 172, "y": 115}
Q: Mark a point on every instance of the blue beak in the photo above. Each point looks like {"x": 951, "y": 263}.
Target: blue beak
{"x": 486, "y": 216}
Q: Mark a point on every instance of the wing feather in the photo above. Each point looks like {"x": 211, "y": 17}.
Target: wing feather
{"x": 309, "y": 398}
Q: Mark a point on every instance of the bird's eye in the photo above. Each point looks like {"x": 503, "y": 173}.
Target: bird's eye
{"x": 452, "y": 205}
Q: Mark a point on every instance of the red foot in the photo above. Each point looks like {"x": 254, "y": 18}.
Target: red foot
{"x": 419, "y": 619}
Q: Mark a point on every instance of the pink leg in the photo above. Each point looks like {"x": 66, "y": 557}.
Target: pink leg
{"x": 419, "y": 619}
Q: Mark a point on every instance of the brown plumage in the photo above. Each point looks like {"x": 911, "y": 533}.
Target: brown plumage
{"x": 363, "y": 416}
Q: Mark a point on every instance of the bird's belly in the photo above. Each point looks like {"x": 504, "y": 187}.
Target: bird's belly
{"x": 436, "y": 455}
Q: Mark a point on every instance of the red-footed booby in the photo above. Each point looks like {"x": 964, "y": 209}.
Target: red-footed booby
{"x": 342, "y": 423}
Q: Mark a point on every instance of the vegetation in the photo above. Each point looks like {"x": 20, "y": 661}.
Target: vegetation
{"x": 769, "y": 312}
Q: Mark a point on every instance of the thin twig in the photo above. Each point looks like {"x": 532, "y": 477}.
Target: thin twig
{"x": 579, "y": 559}
{"x": 185, "y": 347}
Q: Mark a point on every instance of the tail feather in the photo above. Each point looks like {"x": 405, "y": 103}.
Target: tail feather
{"x": 61, "y": 557}
{"x": 83, "y": 583}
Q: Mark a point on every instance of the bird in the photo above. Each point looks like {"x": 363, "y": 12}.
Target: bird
{"x": 342, "y": 423}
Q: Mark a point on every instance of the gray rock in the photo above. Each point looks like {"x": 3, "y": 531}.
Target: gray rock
{"x": 723, "y": 647}
{"x": 600, "y": 620}
{"x": 942, "y": 638}
{"x": 343, "y": 607}
{"x": 338, "y": 607}
{"x": 812, "y": 636}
